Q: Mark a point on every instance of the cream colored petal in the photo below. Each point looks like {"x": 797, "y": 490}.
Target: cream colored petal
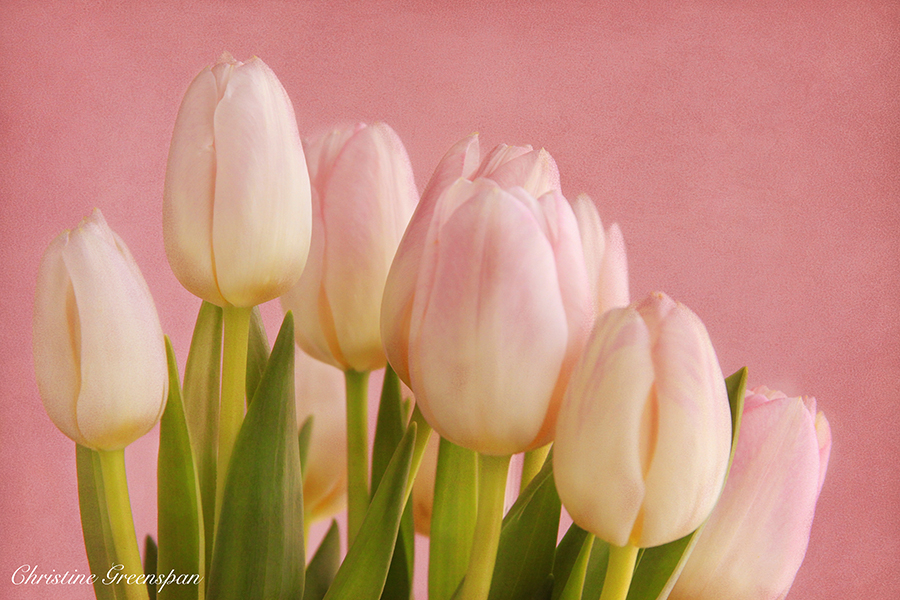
{"x": 599, "y": 433}
{"x": 262, "y": 213}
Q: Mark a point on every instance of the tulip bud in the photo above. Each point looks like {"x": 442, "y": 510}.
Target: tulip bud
{"x": 499, "y": 313}
{"x": 604, "y": 257}
{"x": 755, "y": 539}
{"x": 99, "y": 354}
{"x": 320, "y": 395}
{"x": 363, "y": 197}
{"x": 236, "y": 210}
{"x": 508, "y": 166}
{"x": 644, "y": 434}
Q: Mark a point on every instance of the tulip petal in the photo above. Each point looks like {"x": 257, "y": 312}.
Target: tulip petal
{"x": 261, "y": 218}
{"x": 117, "y": 319}
{"x": 554, "y": 214}
{"x": 535, "y": 171}
{"x": 694, "y": 437}
{"x": 190, "y": 188}
{"x": 612, "y": 288}
{"x": 492, "y": 291}
{"x": 596, "y": 457}
{"x": 371, "y": 195}
{"x": 756, "y": 538}
{"x": 55, "y": 339}
{"x": 400, "y": 284}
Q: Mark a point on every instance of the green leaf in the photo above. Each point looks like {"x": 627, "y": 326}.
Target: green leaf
{"x": 259, "y": 542}
{"x": 303, "y": 438}
{"x": 389, "y": 430}
{"x": 364, "y": 571}
{"x": 658, "y": 568}
{"x": 151, "y": 554}
{"x": 257, "y": 352}
{"x": 95, "y": 519}
{"x": 566, "y": 554}
{"x": 180, "y": 515}
{"x": 528, "y": 540}
{"x": 324, "y": 565}
{"x": 201, "y": 410}
{"x": 453, "y": 516}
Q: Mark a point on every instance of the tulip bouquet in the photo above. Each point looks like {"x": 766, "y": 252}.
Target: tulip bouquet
{"x": 500, "y": 312}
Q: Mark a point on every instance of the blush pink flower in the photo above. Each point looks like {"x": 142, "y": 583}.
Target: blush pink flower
{"x": 99, "y": 354}
{"x": 363, "y": 197}
{"x": 644, "y": 434}
{"x": 756, "y": 538}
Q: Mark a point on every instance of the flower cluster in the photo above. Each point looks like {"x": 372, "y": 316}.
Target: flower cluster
{"x": 504, "y": 308}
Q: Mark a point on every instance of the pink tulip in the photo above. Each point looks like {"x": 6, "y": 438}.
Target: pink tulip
{"x": 363, "y": 197}
{"x": 99, "y": 354}
{"x": 509, "y": 166}
{"x": 499, "y": 311}
{"x": 236, "y": 209}
{"x": 755, "y": 539}
{"x": 644, "y": 433}
{"x": 604, "y": 256}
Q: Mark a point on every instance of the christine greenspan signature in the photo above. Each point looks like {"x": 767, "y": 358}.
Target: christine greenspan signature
{"x": 28, "y": 575}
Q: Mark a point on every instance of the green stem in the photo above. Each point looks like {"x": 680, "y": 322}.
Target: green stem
{"x": 112, "y": 465}
{"x": 492, "y": 472}
{"x": 619, "y": 572}
{"x": 534, "y": 461}
{"x": 423, "y": 433}
{"x": 575, "y": 584}
{"x": 357, "y": 451}
{"x": 234, "y": 383}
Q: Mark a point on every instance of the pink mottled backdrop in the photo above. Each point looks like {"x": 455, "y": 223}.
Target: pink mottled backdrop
{"x": 749, "y": 152}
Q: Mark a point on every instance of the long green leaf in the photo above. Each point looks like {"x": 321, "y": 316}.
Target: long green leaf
{"x": 659, "y": 567}
{"x": 453, "y": 519}
{"x": 566, "y": 555}
{"x": 201, "y": 410}
{"x": 324, "y": 565}
{"x": 364, "y": 571}
{"x": 389, "y": 430}
{"x": 182, "y": 543}
{"x": 528, "y": 540}
{"x": 151, "y": 556}
{"x": 95, "y": 519}
{"x": 259, "y": 542}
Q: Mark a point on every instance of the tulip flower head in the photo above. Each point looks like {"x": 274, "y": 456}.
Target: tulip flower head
{"x": 236, "y": 210}
{"x": 756, "y": 538}
{"x": 604, "y": 257}
{"x": 644, "y": 434}
{"x": 499, "y": 313}
{"x": 509, "y": 166}
{"x": 363, "y": 196}
{"x": 99, "y": 353}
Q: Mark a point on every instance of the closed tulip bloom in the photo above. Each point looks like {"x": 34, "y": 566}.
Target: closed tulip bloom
{"x": 644, "y": 434}
{"x": 756, "y": 538}
{"x": 499, "y": 313}
{"x": 604, "y": 257}
{"x": 509, "y": 166}
{"x": 99, "y": 353}
{"x": 320, "y": 395}
{"x": 236, "y": 209}
{"x": 363, "y": 197}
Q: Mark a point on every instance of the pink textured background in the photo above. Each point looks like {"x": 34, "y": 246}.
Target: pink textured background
{"x": 749, "y": 152}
